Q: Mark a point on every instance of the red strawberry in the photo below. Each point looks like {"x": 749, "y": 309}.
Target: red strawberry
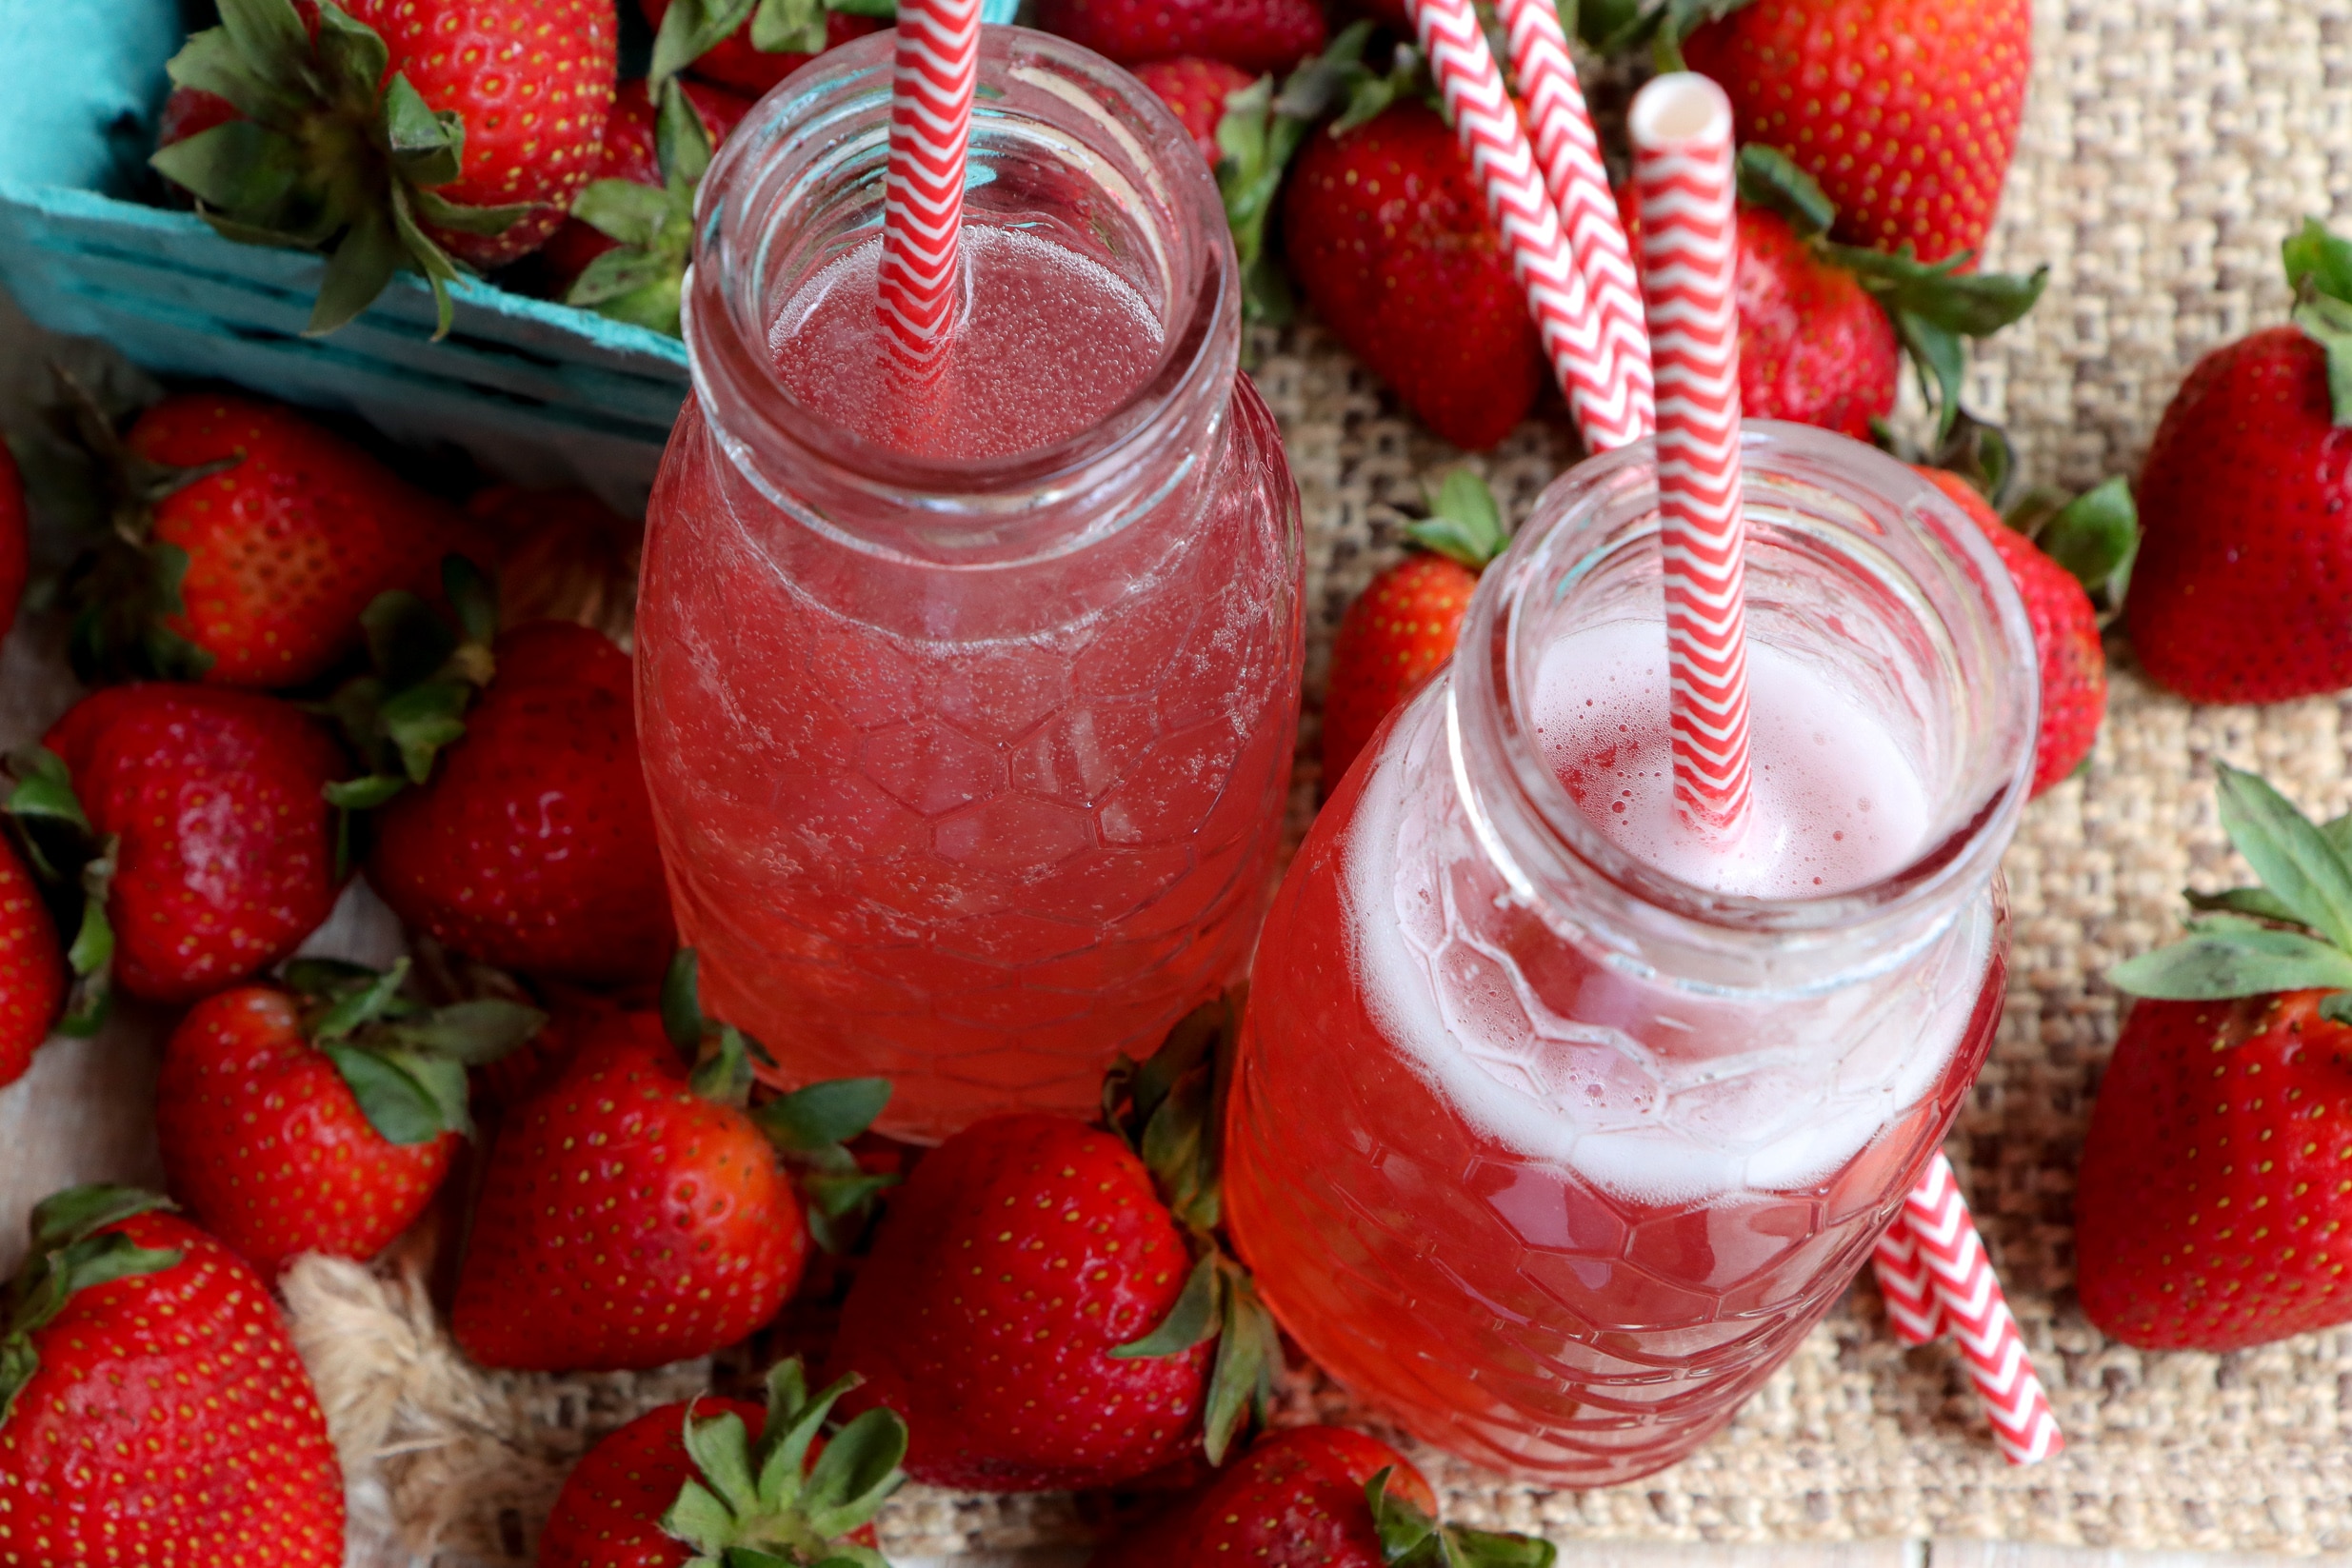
{"x": 1905, "y": 111}
{"x": 285, "y": 1133}
{"x": 497, "y": 109}
{"x": 2074, "y": 666}
{"x": 1814, "y": 346}
{"x": 152, "y": 1408}
{"x": 2245, "y": 498}
{"x": 1401, "y": 630}
{"x": 15, "y": 555}
{"x": 225, "y": 858}
{"x": 530, "y": 845}
{"x": 629, "y": 153}
{"x": 631, "y": 1217}
{"x": 2212, "y": 1208}
{"x": 1257, "y": 35}
{"x": 662, "y": 1490}
{"x": 563, "y": 555}
{"x": 32, "y": 967}
{"x": 246, "y": 542}
{"x": 734, "y": 60}
{"x": 1195, "y": 89}
{"x": 1389, "y": 239}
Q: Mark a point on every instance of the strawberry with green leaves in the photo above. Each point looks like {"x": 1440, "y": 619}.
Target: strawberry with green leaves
{"x": 1196, "y": 90}
{"x": 639, "y": 1211}
{"x": 2213, "y": 1209}
{"x": 2245, "y": 497}
{"x": 686, "y": 1485}
{"x": 321, "y": 1117}
{"x": 748, "y": 45}
{"x": 32, "y": 968}
{"x": 153, "y": 1409}
{"x": 391, "y": 133}
{"x": 1047, "y": 1302}
{"x": 1255, "y": 35}
{"x": 1401, "y": 630}
{"x": 243, "y": 541}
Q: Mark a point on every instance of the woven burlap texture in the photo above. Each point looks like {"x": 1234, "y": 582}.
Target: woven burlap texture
{"x": 2168, "y": 146}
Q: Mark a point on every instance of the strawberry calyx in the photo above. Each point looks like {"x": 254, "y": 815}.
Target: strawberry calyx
{"x": 1464, "y": 523}
{"x": 73, "y": 867}
{"x": 639, "y": 280}
{"x": 331, "y": 152}
{"x": 2319, "y": 268}
{"x": 2093, "y": 536}
{"x": 1933, "y": 306}
{"x": 693, "y": 28}
{"x": 404, "y": 1062}
{"x": 1169, "y": 1110}
{"x": 1410, "y": 1538}
{"x": 810, "y": 1127}
{"x": 69, "y": 1254}
{"x": 1619, "y": 26}
{"x": 764, "y": 1505}
{"x": 2291, "y": 932}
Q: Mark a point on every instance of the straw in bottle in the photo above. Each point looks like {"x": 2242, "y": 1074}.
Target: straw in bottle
{"x": 933, "y": 74}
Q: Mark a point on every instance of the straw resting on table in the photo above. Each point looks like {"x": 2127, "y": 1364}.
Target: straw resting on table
{"x": 933, "y": 74}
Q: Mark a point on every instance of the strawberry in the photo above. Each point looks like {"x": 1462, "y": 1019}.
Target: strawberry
{"x": 153, "y": 1410}
{"x": 1905, "y": 111}
{"x": 1317, "y": 1497}
{"x": 563, "y": 555}
{"x": 1389, "y": 239}
{"x": 32, "y": 968}
{"x": 2245, "y": 497}
{"x": 751, "y": 45}
{"x": 221, "y": 854}
{"x": 1195, "y": 89}
{"x": 1401, "y": 630}
{"x": 635, "y": 1216}
{"x": 15, "y": 557}
{"x": 391, "y": 133}
{"x": 632, "y": 153}
{"x": 244, "y": 542}
{"x": 2212, "y": 1205}
{"x": 686, "y": 1482}
{"x": 1040, "y": 1313}
{"x": 1256, "y": 35}
{"x": 321, "y": 1119}
{"x": 2074, "y": 666}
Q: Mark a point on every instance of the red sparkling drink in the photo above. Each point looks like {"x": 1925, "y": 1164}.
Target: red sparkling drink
{"x": 1556, "y": 1128}
{"x": 968, "y": 705}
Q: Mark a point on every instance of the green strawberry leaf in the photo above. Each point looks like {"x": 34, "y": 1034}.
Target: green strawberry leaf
{"x": 2337, "y": 1007}
{"x": 623, "y": 211}
{"x": 822, "y": 1116}
{"x": 1934, "y": 306}
{"x": 1465, "y": 523}
{"x": 682, "y": 1010}
{"x": 2219, "y": 962}
{"x": 789, "y": 27}
{"x": 44, "y": 788}
{"x": 2327, "y": 320}
{"x": 2257, "y": 903}
{"x": 1195, "y": 1319}
{"x": 2095, "y": 536}
{"x": 73, "y": 869}
{"x": 2294, "y": 859}
{"x": 681, "y": 141}
{"x": 364, "y": 793}
{"x": 1617, "y": 26}
{"x": 2317, "y": 258}
{"x": 1403, "y": 1529}
{"x": 402, "y": 1109}
{"x": 443, "y": 213}
{"x": 1770, "y": 179}
{"x": 1498, "y": 1549}
{"x": 1241, "y": 1383}
{"x": 269, "y": 36}
{"x": 858, "y": 1469}
{"x": 352, "y": 997}
{"x": 690, "y": 29}
{"x": 763, "y": 1504}
{"x": 69, "y": 1254}
{"x": 472, "y": 1034}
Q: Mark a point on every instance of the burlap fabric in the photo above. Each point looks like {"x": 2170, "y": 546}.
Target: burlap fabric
{"x": 2168, "y": 146}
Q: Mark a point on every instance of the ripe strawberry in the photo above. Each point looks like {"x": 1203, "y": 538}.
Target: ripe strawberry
{"x": 1905, "y": 111}
{"x": 749, "y": 45}
{"x": 530, "y": 843}
{"x": 223, "y": 855}
{"x": 1389, "y": 239}
{"x": 2074, "y": 666}
{"x": 32, "y": 968}
{"x": 634, "y": 1216}
{"x": 2212, "y": 1207}
{"x": 396, "y": 132}
{"x": 1257, "y": 35}
{"x": 686, "y": 1482}
{"x": 1195, "y": 89}
{"x": 245, "y": 542}
{"x": 152, "y": 1408}
{"x": 1814, "y": 346}
{"x": 563, "y": 555}
{"x": 322, "y": 1121}
{"x": 2246, "y": 496}
{"x": 16, "y": 560}
{"x": 632, "y": 154}
{"x": 1401, "y": 628}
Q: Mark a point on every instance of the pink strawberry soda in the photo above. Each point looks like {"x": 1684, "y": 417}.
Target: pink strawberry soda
{"x": 967, "y": 705}
{"x": 1555, "y": 1126}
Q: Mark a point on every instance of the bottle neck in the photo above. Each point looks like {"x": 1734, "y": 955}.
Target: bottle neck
{"x": 1855, "y": 566}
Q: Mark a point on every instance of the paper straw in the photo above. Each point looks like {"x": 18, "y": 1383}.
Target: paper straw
{"x": 1601, "y": 400}
{"x": 1906, "y": 1284}
{"x": 933, "y": 73}
{"x": 1680, "y": 129}
{"x": 1969, "y": 1302}
{"x": 1569, "y": 154}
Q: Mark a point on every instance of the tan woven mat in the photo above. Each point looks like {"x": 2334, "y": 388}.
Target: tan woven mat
{"x": 2168, "y": 146}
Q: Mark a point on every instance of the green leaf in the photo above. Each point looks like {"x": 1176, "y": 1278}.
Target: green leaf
{"x": 824, "y": 1114}
{"x": 2337, "y": 1006}
{"x": 682, "y": 142}
{"x": 249, "y": 172}
{"x": 699, "y": 1519}
{"x": 1465, "y": 523}
{"x": 364, "y": 793}
{"x": 623, "y": 211}
{"x": 793, "y": 1421}
{"x": 427, "y": 148}
{"x": 75, "y": 1214}
{"x": 1496, "y": 1549}
{"x": 2315, "y": 257}
{"x": 2257, "y": 903}
{"x": 721, "y": 1451}
{"x": 427, "y": 258}
{"x": 401, "y": 1109}
{"x": 2288, "y": 852}
{"x": 2095, "y": 535}
{"x": 724, "y": 1077}
{"x": 1194, "y": 1318}
{"x": 884, "y": 11}
{"x": 93, "y": 940}
{"x": 2237, "y": 960}
{"x": 353, "y": 53}
{"x": 1248, "y": 1352}
{"x": 856, "y": 1474}
{"x": 1402, "y": 1528}
{"x": 211, "y": 62}
{"x": 474, "y": 1033}
{"x": 789, "y": 27}
{"x": 359, "y": 999}
{"x": 2327, "y": 320}
{"x": 270, "y": 38}
{"x": 361, "y": 264}
{"x": 44, "y": 789}
{"x": 1770, "y": 179}
{"x": 443, "y": 213}
{"x": 682, "y": 1011}
{"x": 690, "y": 29}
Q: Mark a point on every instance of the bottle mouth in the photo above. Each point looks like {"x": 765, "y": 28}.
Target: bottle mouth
{"x": 1066, "y": 146}
{"x": 1855, "y": 563}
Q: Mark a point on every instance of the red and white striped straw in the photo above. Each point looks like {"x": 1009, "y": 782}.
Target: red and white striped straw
{"x": 1568, "y": 151}
{"x": 1600, "y": 396}
{"x": 934, "y": 75}
{"x": 1680, "y": 129}
{"x": 1904, "y": 1281}
{"x": 1973, "y": 1311}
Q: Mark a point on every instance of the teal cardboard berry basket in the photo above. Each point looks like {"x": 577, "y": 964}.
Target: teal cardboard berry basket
{"x": 538, "y": 392}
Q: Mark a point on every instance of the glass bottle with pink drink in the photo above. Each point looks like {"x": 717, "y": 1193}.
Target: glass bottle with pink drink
{"x": 967, "y": 705}
{"x": 1555, "y": 1128}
